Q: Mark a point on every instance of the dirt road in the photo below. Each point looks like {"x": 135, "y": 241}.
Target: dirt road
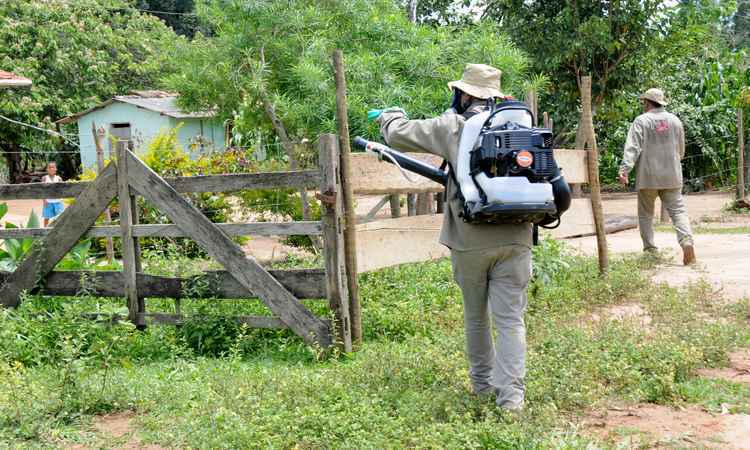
{"x": 723, "y": 259}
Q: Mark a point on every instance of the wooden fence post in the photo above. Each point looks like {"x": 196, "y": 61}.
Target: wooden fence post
{"x": 333, "y": 238}
{"x": 98, "y": 136}
{"x": 395, "y": 206}
{"x": 411, "y": 204}
{"x": 593, "y": 168}
{"x": 740, "y": 155}
{"x": 350, "y": 236}
{"x": 135, "y": 220}
{"x": 531, "y": 100}
{"x": 126, "y": 233}
{"x": 423, "y": 203}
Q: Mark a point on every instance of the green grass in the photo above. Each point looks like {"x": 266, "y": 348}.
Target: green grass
{"x": 406, "y": 387}
{"x": 709, "y": 230}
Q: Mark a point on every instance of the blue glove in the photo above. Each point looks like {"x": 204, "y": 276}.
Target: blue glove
{"x": 374, "y": 114}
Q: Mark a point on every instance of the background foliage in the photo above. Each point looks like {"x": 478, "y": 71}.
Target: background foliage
{"x": 77, "y": 53}
{"x": 284, "y": 48}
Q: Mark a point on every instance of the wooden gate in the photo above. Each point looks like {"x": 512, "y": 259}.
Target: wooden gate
{"x": 243, "y": 277}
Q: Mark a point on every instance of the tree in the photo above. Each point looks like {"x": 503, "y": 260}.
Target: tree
{"x": 77, "y": 54}
{"x": 178, "y": 14}
{"x": 569, "y": 39}
{"x": 279, "y": 53}
{"x": 741, "y": 23}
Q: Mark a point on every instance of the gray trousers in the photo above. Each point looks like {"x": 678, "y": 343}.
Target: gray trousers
{"x": 493, "y": 281}
{"x": 675, "y": 204}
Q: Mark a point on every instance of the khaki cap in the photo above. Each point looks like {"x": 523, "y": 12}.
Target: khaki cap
{"x": 655, "y": 95}
{"x": 480, "y": 81}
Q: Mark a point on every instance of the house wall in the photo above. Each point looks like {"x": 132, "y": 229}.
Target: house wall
{"x": 145, "y": 125}
{"x": 211, "y": 130}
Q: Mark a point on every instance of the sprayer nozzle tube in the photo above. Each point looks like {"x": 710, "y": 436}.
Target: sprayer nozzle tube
{"x": 405, "y": 162}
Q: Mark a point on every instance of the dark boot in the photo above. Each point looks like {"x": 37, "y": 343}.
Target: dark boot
{"x": 688, "y": 255}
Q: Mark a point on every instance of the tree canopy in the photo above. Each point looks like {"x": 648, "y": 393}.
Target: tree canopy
{"x": 77, "y": 54}
{"x": 284, "y": 49}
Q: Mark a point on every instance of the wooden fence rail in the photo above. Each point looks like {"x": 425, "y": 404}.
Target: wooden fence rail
{"x": 243, "y": 278}
{"x": 297, "y": 179}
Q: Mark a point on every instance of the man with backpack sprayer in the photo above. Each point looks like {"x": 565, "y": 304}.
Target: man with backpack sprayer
{"x": 491, "y": 258}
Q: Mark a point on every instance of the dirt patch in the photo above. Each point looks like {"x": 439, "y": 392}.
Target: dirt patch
{"x": 116, "y": 431}
{"x": 117, "y": 425}
{"x": 628, "y": 312}
{"x": 656, "y": 426}
{"x": 738, "y": 370}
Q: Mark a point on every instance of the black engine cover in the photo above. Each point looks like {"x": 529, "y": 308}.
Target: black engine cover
{"x": 496, "y": 155}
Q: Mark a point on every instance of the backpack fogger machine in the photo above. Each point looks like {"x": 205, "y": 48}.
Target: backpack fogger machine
{"x": 505, "y": 170}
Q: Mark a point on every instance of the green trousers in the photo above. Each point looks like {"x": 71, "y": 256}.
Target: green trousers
{"x": 675, "y": 204}
{"x": 493, "y": 283}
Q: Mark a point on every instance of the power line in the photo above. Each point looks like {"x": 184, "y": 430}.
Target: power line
{"x": 50, "y": 132}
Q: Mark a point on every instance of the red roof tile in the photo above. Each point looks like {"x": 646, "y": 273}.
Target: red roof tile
{"x": 8, "y": 79}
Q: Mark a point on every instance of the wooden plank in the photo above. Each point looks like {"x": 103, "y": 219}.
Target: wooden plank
{"x": 302, "y": 283}
{"x": 297, "y": 179}
{"x": 32, "y": 191}
{"x": 573, "y": 164}
{"x": 371, "y": 176}
{"x": 129, "y": 269}
{"x": 69, "y": 228}
{"x": 337, "y": 287}
{"x": 175, "y": 319}
{"x": 221, "y": 247}
{"x": 577, "y": 220}
{"x": 171, "y": 230}
{"x": 237, "y": 229}
{"x": 391, "y": 242}
{"x": 206, "y": 183}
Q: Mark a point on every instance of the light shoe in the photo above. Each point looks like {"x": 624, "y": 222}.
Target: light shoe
{"x": 512, "y": 410}
{"x": 688, "y": 255}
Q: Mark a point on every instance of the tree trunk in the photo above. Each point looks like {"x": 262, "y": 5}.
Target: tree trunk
{"x": 13, "y": 161}
{"x": 412, "y": 10}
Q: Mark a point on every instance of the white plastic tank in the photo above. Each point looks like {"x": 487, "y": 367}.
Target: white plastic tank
{"x": 519, "y": 116}
{"x": 514, "y": 190}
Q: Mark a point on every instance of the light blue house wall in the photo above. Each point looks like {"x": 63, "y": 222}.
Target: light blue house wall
{"x": 145, "y": 125}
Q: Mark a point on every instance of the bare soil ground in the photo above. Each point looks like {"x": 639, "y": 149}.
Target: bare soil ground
{"x": 657, "y": 426}
{"x": 115, "y": 431}
{"x": 723, "y": 261}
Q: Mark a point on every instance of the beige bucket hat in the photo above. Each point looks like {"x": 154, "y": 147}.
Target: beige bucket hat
{"x": 655, "y": 95}
{"x": 480, "y": 81}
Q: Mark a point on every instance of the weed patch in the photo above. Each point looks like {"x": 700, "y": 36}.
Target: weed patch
{"x": 211, "y": 383}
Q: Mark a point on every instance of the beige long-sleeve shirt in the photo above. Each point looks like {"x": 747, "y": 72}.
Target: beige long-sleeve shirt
{"x": 655, "y": 146}
{"x": 440, "y": 136}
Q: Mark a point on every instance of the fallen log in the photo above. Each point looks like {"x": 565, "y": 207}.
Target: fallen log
{"x": 613, "y": 224}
